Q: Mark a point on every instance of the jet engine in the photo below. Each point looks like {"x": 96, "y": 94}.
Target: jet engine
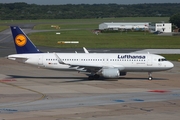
{"x": 112, "y": 73}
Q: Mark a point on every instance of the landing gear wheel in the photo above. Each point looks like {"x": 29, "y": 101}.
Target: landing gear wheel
{"x": 93, "y": 77}
{"x": 96, "y": 76}
{"x": 150, "y": 76}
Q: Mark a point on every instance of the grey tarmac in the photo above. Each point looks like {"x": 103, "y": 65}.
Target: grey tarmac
{"x": 31, "y": 93}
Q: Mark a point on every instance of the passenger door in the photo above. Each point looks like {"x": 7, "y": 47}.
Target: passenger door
{"x": 149, "y": 60}
{"x": 40, "y": 60}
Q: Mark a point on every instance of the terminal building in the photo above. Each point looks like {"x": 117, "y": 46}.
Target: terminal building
{"x": 160, "y": 27}
{"x": 163, "y": 27}
{"x": 123, "y": 25}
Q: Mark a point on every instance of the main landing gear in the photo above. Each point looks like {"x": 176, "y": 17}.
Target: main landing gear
{"x": 93, "y": 77}
{"x": 150, "y": 76}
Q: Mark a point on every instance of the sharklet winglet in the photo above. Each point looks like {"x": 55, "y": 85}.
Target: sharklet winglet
{"x": 59, "y": 59}
{"x": 85, "y": 50}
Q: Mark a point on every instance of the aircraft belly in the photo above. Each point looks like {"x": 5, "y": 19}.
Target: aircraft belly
{"x": 143, "y": 69}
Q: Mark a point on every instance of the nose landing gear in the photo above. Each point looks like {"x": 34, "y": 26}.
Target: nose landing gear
{"x": 150, "y": 76}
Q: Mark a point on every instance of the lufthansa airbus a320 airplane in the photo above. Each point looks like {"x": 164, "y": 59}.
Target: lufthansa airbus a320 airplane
{"x": 108, "y": 65}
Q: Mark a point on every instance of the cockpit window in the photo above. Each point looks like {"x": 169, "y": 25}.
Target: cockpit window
{"x": 162, "y": 59}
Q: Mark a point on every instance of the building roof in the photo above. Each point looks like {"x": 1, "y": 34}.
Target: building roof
{"x": 125, "y": 23}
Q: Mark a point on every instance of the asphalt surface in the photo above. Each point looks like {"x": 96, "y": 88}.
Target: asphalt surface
{"x": 31, "y": 93}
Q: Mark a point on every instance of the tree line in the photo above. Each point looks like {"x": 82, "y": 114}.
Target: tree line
{"x": 24, "y": 11}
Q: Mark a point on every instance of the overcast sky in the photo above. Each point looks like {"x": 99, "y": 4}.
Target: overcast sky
{"x": 54, "y": 2}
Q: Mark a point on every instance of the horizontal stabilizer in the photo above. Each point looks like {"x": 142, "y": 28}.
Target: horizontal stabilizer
{"x": 17, "y": 58}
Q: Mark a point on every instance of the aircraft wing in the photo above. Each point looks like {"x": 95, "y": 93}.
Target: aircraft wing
{"x": 93, "y": 68}
{"x": 86, "y": 68}
{"x": 80, "y": 67}
{"x": 89, "y": 67}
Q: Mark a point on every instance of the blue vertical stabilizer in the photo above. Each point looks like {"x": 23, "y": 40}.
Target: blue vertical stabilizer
{"x": 22, "y": 43}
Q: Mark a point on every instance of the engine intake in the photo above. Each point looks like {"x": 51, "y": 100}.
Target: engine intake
{"x": 112, "y": 73}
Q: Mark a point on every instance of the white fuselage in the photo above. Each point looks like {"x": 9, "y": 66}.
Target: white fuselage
{"x": 126, "y": 62}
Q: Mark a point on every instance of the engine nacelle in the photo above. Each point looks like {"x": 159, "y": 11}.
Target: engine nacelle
{"x": 112, "y": 73}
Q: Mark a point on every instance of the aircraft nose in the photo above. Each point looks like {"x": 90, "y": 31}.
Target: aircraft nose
{"x": 170, "y": 65}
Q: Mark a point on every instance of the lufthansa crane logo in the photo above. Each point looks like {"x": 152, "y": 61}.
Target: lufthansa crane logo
{"x": 20, "y": 40}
